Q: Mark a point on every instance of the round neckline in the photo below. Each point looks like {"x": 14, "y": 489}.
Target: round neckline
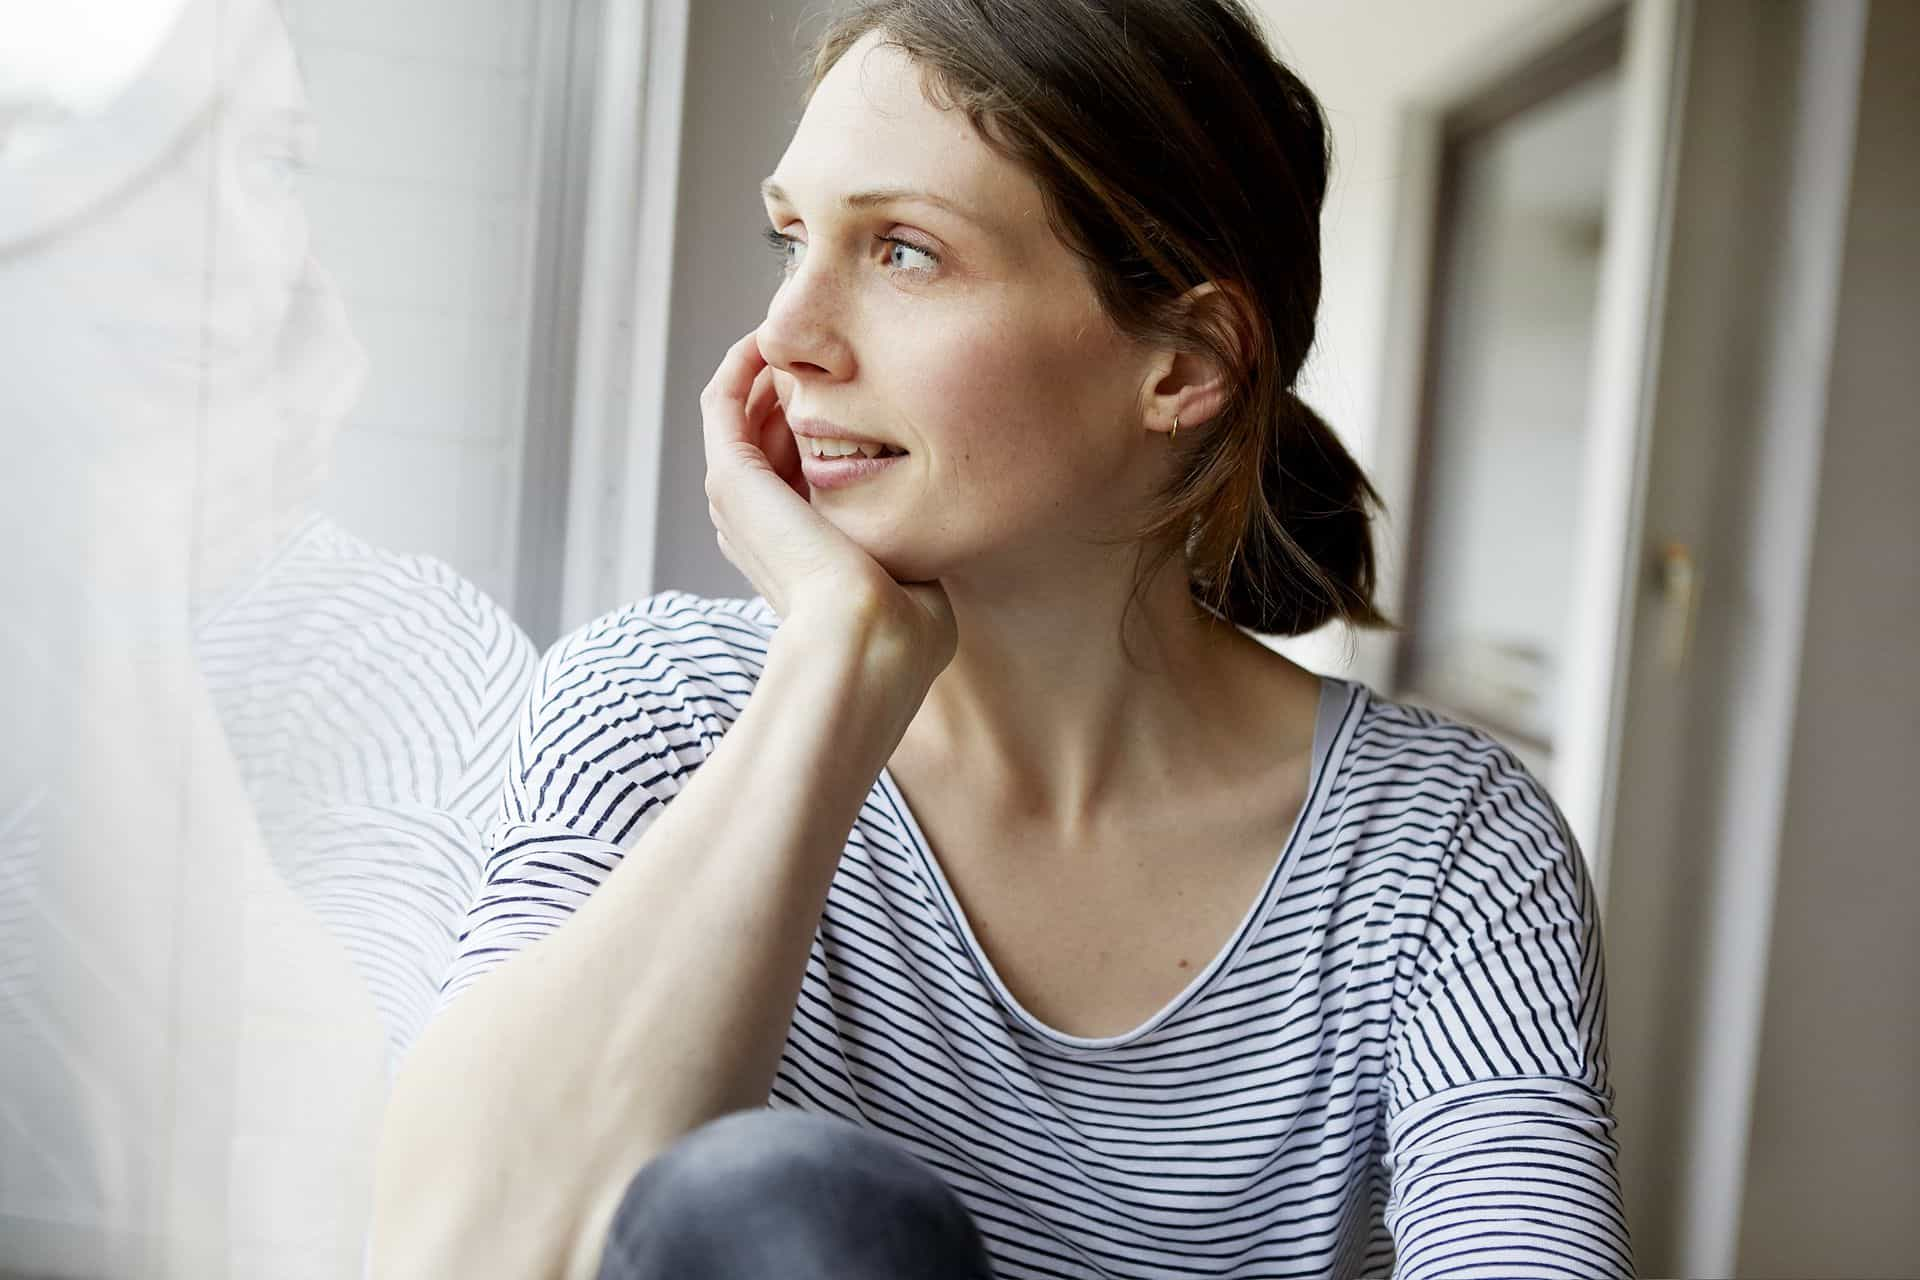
{"x": 1352, "y": 696}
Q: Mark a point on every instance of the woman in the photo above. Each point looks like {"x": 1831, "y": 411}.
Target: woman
{"x": 1034, "y": 920}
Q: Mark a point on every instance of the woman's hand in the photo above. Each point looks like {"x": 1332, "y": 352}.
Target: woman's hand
{"x": 794, "y": 556}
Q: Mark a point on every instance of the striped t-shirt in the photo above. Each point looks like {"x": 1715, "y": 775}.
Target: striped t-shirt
{"x": 1395, "y": 1065}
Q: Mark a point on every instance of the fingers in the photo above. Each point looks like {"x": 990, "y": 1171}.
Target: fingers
{"x": 768, "y": 423}
{"x": 757, "y": 497}
{"x": 723, "y": 403}
{"x": 763, "y": 396}
{"x": 783, "y": 452}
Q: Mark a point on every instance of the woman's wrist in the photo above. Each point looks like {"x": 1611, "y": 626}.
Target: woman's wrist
{"x": 859, "y": 631}
{"x": 864, "y": 644}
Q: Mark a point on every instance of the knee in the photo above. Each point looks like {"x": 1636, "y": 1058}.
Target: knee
{"x": 790, "y": 1184}
{"x": 794, "y": 1158}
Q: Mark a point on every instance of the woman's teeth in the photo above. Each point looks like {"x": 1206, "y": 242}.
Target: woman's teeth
{"x": 828, "y": 448}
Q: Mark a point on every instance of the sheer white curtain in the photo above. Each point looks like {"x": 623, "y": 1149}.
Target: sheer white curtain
{"x": 265, "y": 288}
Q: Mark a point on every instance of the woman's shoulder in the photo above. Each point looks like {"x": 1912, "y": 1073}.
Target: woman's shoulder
{"x": 1409, "y": 762}
{"x": 682, "y": 626}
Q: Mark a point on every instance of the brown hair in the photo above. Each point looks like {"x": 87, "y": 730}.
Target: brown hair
{"x": 1174, "y": 149}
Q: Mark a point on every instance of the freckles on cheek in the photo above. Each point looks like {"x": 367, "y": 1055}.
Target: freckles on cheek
{"x": 991, "y": 393}
{"x": 958, "y": 368}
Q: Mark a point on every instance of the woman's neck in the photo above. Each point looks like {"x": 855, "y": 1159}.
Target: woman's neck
{"x": 1045, "y": 710}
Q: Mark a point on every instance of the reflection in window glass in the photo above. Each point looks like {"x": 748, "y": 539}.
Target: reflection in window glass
{"x": 421, "y": 196}
{"x": 263, "y": 344}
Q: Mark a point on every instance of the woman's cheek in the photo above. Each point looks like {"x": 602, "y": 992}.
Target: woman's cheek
{"x": 980, "y": 384}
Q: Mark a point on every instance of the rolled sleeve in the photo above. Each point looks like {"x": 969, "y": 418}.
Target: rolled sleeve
{"x": 1501, "y": 1155}
{"x": 617, "y": 720}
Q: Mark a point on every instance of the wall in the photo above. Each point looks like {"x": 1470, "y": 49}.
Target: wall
{"x": 1760, "y": 965}
{"x": 742, "y": 103}
{"x": 1832, "y": 1174}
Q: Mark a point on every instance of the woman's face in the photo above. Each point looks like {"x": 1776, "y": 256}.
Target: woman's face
{"x": 927, "y": 304}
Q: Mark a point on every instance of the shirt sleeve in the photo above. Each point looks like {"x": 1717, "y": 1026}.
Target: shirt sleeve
{"x": 1501, "y": 1155}
{"x": 616, "y": 721}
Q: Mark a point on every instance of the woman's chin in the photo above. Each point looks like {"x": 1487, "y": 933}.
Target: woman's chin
{"x": 902, "y": 563}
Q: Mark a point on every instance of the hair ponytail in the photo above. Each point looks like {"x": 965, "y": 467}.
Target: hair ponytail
{"x": 1293, "y": 550}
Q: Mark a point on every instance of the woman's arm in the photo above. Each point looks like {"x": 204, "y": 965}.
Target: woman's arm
{"x": 526, "y": 1106}
{"x": 1500, "y": 1145}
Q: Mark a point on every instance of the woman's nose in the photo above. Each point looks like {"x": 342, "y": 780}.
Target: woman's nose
{"x": 804, "y": 333}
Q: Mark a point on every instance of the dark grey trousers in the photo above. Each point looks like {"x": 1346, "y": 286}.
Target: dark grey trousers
{"x": 790, "y": 1195}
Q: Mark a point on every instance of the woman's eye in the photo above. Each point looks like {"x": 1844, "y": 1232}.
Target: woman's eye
{"x": 785, "y": 247}
{"x": 902, "y": 256}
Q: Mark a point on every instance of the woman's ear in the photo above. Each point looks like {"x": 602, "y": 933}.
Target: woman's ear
{"x": 1193, "y": 384}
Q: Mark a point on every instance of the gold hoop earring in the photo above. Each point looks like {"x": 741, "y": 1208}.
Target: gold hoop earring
{"x": 1175, "y": 437}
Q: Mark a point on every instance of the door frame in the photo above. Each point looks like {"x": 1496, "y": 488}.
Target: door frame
{"x": 1727, "y": 232}
{"x": 1761, "y": 189}
{"x": 1501, "y": 80}
{"x": 1595, "y": 48}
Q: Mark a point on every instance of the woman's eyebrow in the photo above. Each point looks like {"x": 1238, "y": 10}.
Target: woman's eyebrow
{"x": 772, "y": 190}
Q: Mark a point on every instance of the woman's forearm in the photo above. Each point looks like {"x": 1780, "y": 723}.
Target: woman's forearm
{"x": 663, "y": 1003}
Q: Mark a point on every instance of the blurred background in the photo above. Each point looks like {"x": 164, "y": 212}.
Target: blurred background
{"x": 349, "y": 355}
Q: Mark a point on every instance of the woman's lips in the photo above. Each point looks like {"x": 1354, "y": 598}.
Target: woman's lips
{"x": 838, "y": 473}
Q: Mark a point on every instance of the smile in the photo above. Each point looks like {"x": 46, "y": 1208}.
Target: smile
{"x": 826, "y": 447}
